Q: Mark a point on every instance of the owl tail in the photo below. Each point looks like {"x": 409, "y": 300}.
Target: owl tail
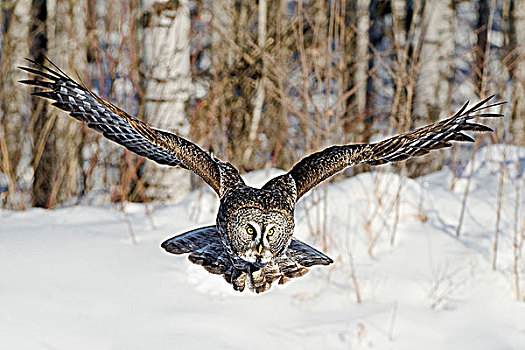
{"x": 205, "y": 248}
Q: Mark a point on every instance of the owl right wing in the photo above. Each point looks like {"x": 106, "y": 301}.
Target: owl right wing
{"x": 315, "y": 168}
{"x": 100, "y": 115}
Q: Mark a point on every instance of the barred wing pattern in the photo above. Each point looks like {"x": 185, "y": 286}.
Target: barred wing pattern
{"x": 315, "y": 168}
{"x": 118, "y": 126}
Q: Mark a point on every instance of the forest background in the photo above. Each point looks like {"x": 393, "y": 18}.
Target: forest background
{"x": 260, "y": 84}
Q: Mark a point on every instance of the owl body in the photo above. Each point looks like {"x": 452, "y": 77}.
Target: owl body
{"x": 252, "y": 243}
{"x": 256, "y": 226}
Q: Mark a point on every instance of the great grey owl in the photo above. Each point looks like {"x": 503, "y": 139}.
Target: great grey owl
{"x": 252, "y": 242}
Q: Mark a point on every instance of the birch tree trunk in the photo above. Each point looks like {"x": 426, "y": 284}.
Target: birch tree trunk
{"x": 437, "y": 71}
{"x": 361, "y": 74}
{"x": 166, "y": 56}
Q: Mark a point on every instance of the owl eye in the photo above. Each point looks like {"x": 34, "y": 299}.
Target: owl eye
{"x": 250, "y": 230}
{"x": 270, "y": 232}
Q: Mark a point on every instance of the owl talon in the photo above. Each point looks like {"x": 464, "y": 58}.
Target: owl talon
{"x": 284, "y": 279}
{"x": 238, "y": 280}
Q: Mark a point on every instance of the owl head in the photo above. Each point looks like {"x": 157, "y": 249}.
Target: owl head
{"x": 256, "y": 224}
{"x": 258, "y": 235}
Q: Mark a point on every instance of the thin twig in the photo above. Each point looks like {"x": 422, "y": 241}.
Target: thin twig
{"x": 498, "y": 211}
{"x": 467, "y": 189}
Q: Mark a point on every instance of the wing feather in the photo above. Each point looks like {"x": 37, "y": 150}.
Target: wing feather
{"x": 116, "y": 125}
{"x": 315, "y": 168}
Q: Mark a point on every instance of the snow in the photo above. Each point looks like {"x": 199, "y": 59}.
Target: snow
{"x": 72, "y": 279}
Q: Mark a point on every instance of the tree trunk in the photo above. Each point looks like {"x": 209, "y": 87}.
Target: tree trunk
{"x": 434, "y": 84}
{"x": 44, "y": 149}
{"x": 166, "y": 56}
{"x": 481, "y": 49}
{"x": 378, "y": 11}
{"x": 14, "y": 109}
{"x": 262, "y": 10}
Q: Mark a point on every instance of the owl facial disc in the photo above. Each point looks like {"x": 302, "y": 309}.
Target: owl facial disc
{"x": 257, "y": 236}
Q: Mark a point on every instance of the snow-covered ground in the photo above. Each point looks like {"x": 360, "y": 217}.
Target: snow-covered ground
{"x": 71, "y": 278}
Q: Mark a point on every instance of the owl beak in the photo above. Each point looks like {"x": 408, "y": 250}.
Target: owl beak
{"x": 259, "y": 248}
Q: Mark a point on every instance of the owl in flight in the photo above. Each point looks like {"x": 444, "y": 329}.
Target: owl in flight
{"x": 252, "y": 242}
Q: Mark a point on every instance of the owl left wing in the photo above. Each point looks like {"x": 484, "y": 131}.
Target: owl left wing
{"x": 116, "y": 125}
{"x": 315, "y": 168}
{"x": 204, "y": 248}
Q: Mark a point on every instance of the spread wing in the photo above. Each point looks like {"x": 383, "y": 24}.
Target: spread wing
{"x": 118, "y": 126}
{"x": 315, "y": 168}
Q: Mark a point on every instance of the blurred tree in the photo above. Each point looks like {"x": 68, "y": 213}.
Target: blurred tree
{"x": 482, "y": 48}
{"x": 257, "y": 83}
{"x": 379, "y": 34}
{"x": 44, "y": 149}
{"x": 165, "y": 57}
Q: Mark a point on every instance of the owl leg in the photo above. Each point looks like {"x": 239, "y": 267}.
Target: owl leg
{"x": 254, "y": 278}
{"x": 257, "y": 280}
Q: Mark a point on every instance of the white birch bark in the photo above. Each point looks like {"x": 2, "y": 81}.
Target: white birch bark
{"x": 361, "y": 75}
{"x": 433, "y": 88}
{"x": 166, "y": 55}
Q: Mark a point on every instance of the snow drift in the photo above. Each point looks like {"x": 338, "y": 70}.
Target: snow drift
{"x": 71, "y": 278}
